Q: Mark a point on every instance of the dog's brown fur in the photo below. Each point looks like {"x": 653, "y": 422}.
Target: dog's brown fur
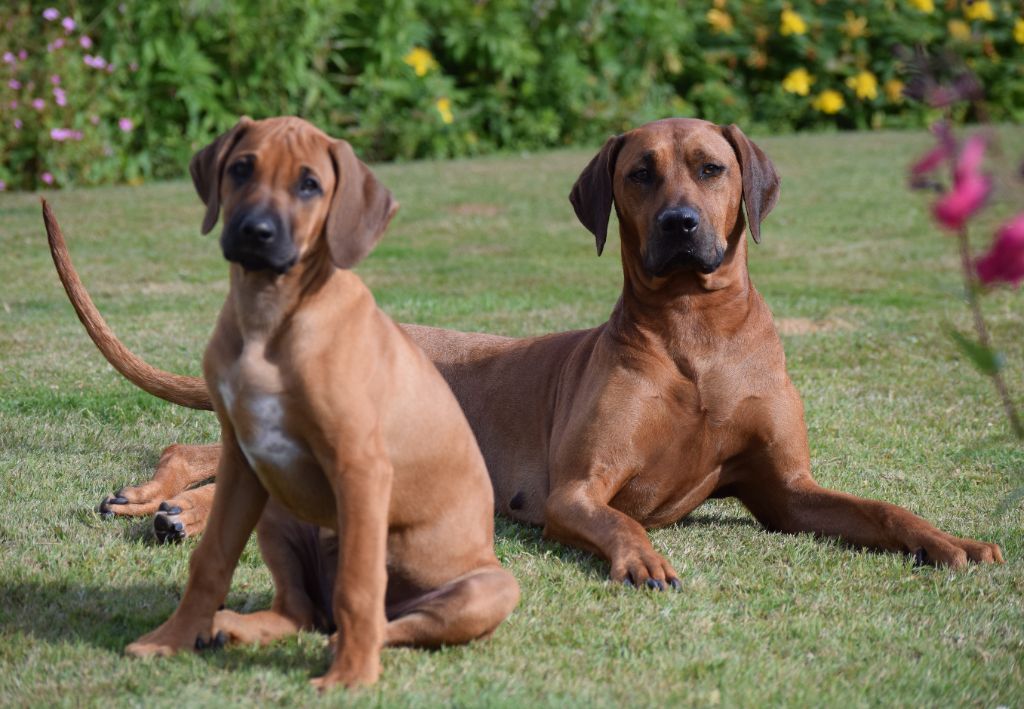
{"x": 682, "y": 395}
{"x": 329, "y": 408}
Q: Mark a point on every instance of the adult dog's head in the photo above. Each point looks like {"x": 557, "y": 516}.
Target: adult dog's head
{"x": 285, "y": 188}
{"x": 678, "y": 186}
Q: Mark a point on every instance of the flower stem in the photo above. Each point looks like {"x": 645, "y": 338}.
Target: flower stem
{"x": 971, "y": 293}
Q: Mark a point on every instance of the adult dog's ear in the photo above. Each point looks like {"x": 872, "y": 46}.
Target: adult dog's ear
{"x": 360, "y": 209}
{"x": 592, "y": 195}
{"x": 760, "y": 181}
{"x": 207, "y": 168}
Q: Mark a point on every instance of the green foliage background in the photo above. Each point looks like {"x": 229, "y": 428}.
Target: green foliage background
{"x": 494, "y": 74}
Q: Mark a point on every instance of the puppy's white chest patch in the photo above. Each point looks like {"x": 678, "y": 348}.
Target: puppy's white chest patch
{"x": 261, "y": 430}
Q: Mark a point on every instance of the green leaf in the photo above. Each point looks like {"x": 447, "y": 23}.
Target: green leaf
{"x": 987, "y": 360}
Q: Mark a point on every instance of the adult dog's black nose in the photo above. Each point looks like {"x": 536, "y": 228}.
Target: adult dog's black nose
{"x": 259, "y": 228}
{"x": 679, "y": 220}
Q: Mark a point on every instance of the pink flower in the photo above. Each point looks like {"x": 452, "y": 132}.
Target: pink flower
{"x": 50, "y": 14}
{"x": 14, "y": 84}
{"x": 126, "y": 125}
{"x": 55, "y": 44}
{"x": 62, "y": 134}
{"x": 60, "y": 97}
{"x": 3, "y": 185}
{"x": 970, "y": 187}
{"x": 8, "y": 58}
{"x": 22, "y": 55}
{"x": 17, "y": 124}
{"x": 86, "y": 41}
{"x": 1005, "y": 260}
{"x": 96, "y": 62}
{"x": 38, "y": 104}
{"x": 68, "y": 24}
{"x": 55, "y": 79}
{"x": 47, "y": 178}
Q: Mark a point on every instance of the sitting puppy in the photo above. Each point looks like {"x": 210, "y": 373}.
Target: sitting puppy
{"x": 329, "y": 410}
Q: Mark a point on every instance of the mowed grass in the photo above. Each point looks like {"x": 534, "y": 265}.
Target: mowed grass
{"x": 864, "y": 289}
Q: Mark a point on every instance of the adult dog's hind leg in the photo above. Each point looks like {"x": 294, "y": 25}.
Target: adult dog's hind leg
{"x": 468, "y": 608}
{"x": 180, "y": 467}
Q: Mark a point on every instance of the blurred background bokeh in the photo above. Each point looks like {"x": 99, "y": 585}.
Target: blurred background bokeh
{"x": 100, "y": 91}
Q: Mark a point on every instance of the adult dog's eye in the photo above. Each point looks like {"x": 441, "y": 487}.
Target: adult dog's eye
{"x": 640, "y": 175}
{"x": 710, "y": 169}
{"x": 309, "y": 186}
{"x": 240, "y": 170}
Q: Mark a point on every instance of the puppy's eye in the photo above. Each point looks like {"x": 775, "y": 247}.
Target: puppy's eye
{"x": 640, "y": 175}
{"x": 710, "y": 169}
{"x": 240, "y": 170}
{"x": 309, "y": 186}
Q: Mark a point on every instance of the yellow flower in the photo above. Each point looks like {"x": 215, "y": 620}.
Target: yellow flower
{"x": 444, "y": 107}
{"x": 829, "y": 101}
{"x": 720, "y": 20}
{"x": 979, "y": 10}
{"x": 854, "y": 26}
{"x": 1018, "y": 30}
{"x": 421, "y": 60}
{"x": 798, "y": 82}
{"x": 791, "y": 23}
{"x": 865, "y": 85}
{"x": 958, "y": 29}
{"x": 894, "y": 90}
{"x": 924, "y": 5}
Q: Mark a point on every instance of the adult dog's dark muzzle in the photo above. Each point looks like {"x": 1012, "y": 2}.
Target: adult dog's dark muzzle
{"x": 680, "y": 240}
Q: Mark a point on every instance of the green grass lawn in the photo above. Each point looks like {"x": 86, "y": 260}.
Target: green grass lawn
{"x": 863, "y": 287}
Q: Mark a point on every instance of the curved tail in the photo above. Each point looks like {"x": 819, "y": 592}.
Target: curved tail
{"x": 178, "y": 389}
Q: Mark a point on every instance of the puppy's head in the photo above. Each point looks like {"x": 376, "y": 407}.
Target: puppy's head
{"x": 677, "y": 186}
{"x": 284, "y": 186}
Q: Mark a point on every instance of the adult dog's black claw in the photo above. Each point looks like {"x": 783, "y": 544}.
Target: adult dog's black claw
{"x": 655, "y": 584}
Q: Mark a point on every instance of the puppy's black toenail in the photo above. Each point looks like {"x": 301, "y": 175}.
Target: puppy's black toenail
{"x": 675, "y": 583}
{"x": 200, "y": 644}
{"x": 106, "y": 514}
{"x": 628, "y": 582}
{"x": 119, "y": 500}
{"x": 654, "y": 584}
{"x": 219, "y": 640}
{"x": 164, "y": 507}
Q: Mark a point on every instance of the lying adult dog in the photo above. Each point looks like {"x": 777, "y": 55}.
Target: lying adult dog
{"x": 325, "y": 405}
{"x": 682, "y": 395}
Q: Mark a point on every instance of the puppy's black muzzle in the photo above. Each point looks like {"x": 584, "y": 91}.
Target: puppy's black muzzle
{"x": 680, "y": 240}
{"x": 259, "y": 240}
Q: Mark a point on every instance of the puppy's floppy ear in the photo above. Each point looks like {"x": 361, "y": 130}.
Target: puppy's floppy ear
{"x": 760, "y": 181}
{"x": 360, "y": 209}
{"x": 207, "y": 168}
{"x": 592, "y": 195}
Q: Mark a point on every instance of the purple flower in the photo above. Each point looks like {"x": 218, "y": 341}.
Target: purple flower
{"x": 110, "y": 68}
{"x": 55, "y": 44}
{"x": 60, "y": 96}
{"x": 68, "y": 24}
{"x": 38, "y": 104}
{"x": 96, "y": 62}
{"x": 8, "y": 58}
{"x": 55, "y": 79}
{"x": 47, "y": 178}
{"x": 17, "y": 124}
{"x": 62, "y": 134}
{"x": 50, "y": 14}
{"x": 3, "y": 185}
{"x": 22, "y": 55}
{"x": 126, "y": 125}
{"x": 86, "y": 41}
{"x": 14, "y": 84}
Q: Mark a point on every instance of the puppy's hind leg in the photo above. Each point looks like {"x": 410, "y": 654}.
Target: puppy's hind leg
{"x": 467, "y": 608}
{"x": 302, "y": 579}
{"x": 180, "y": 468}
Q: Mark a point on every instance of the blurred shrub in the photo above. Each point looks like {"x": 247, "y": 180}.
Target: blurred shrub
{"x": 416, "y": 78}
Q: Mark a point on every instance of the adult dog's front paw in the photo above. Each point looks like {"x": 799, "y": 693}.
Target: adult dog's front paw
{"x": 941, "y": 549}
{"x": 644, "y": 568}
